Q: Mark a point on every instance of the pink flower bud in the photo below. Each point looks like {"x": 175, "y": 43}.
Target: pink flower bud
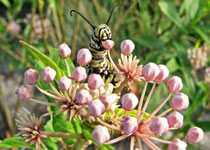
{"x": 129, "y": 101}
{"x": 127, "y": 47}
{"x": 150, "y": 71}
{"x": 159, "y": 126}
{"x": 96, "y": 108}
{"x": 83, "y": 97}
{"x": 31, "y": 76}
{"x": 180, "y": 101}
{"x": 84, "y": 57}
{"x": 129, "y": 125}
{"x": 24, "y": 92}
{"x": 79, "y": 74}
{"x": 64, "y": 83}
{"x": 177, "y": 144}
{"x": 163, "y": 75}
{"x": 108, "y": 44}
{"x": 194, "y": 135}
{"x": 95, "y": 81}
{"x": 175, "y": 120}
{"x": 48, "y": 74}
{"x": 107, "y": 100}
{"x": 101, "y": 134}
{"x": 64, "y": 51}
{"x": 174, "y": 84}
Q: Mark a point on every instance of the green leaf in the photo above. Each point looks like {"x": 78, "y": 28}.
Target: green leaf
{"x": 6, "y": 3}
{"x": 202, "y": 34}
{"x": 61, "y": 125}
{"x": 168, "y": 8}
{"x": 203, "y": 124}
{"x": 192, "y": 7}
{"x": 43, "y": 58}
{"x": 172, "y": 64}
{"x": 60, "y": 62}
{"x": 200, "y": 97}
{"x": 149, "y": 41}
{"x": 13, "y": 142}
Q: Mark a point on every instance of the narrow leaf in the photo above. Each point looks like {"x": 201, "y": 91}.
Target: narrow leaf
{"x": 43, "y": 58}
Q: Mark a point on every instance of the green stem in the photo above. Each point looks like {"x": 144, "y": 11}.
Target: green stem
{"x": 62, "y": 135}
{"x": 7, "y": 112}
{"x": 61, "y": 20}
{"x": 15, "y": 56}
{"x": 41, "y": 15}
{"x": 122, "y": 85}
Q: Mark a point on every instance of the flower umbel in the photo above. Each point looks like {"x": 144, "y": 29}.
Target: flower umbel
{"x": 96, "y": 102}
{"x": 30, "y": 127}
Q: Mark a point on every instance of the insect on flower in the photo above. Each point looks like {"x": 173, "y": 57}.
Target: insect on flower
{"x": 100, "y": 63}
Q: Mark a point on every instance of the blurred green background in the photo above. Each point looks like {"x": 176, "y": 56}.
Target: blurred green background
{"x": 171, "y": 32}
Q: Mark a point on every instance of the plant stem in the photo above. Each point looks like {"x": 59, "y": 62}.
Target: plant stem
{"x": 56, "y": 23}
{"x": 61, "y": 135}
{"x": 108, "y": 125}
{"x": 43, "y": 103}
{"x": 122, "y": 85}
{"x": 147, "y": 102}
{"x": 139, "y": 143}
{"x": 141, "y": 101}
{"x": 117, "y": 139}
{"x": 7, "y": 112}
{"x": 160, "y": 140}
{"x": 132, "y": 142}
{"x": 158, "y": 108}
{"x": 61, "y": 20}
{"x": 67, "y": 67}
{"x": 41, "y": 15}
{"x": 48, "y": 94}
{"x": 15, "y": 56}
{"x": 75, "y": 35}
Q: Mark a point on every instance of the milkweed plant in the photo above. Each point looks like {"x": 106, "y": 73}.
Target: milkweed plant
{"x": 84, "y": 109}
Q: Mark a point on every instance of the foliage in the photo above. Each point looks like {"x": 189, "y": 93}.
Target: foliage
{"x": 163, "y": 28}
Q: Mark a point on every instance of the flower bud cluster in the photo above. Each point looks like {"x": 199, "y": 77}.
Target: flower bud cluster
{"x": 198, "y": 57}
{"x": 97, "y": 101}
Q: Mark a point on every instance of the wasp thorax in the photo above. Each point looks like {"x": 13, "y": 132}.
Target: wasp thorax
{"x": 102, "y": 32}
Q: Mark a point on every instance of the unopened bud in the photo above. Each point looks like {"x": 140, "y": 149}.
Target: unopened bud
{"x": 31, "y": 76}
{"x": 48, "y": 74}
{"x": 96, "y": 108}
{"x": 95, "y": 81}
{"x": 64, "y": 83}
{"x": 150, "y": 71}
{"x": 108, "y": 44}
{"x": 180, "y": 101}
{"x": 84, "y": 57}
{"x": 177, "y": 144}
{"x": 79, "y": 74}
{"x": 129, "y": 101}
{"x": 127, "y": 47}
{"x": 101, "y": 134}
{"x": 83, "y": 97}
{"x": 129, "y": 125}
{"x": 174, "y": 84}
{"x": 64, "y": 51}
{"x": 175, "y": 120}
{"x": 107, "y": 100}
{"x": 194, "y": 135}
{"x": 24, "y": 92}
{"x": 159, "y": 126}
{"x": 163, "y": 75}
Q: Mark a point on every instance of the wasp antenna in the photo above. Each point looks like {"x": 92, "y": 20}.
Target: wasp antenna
{"x": 82, "y": 17}
{"x": 113, "y": 10}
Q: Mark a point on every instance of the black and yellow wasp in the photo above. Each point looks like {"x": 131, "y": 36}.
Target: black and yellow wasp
{"x": 100, "y": 63}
